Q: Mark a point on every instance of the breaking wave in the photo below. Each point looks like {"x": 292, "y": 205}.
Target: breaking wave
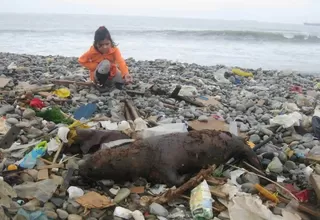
{"x": 188, "y": 34}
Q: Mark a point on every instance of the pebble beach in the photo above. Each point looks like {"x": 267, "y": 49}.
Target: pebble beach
{"x": 253, "y": 102}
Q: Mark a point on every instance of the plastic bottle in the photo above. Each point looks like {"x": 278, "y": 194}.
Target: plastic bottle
{"x": 201, "y": 202}
{"x": 233, "y": 128}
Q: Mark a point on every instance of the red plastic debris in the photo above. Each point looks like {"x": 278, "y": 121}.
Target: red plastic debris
{"x": 36, "y": 103}
{"x": 303, "y": 196}
{"x": 297, "y": 89}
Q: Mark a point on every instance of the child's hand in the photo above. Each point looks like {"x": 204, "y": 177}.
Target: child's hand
{"x": 128, "y": 79}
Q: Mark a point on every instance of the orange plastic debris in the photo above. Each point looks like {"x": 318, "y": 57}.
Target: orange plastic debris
{"x": 266, "y": 193}
{"x": 93, "y": 200}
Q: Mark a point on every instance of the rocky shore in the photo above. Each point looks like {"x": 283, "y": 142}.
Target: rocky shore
{"x": 253, "y": 103}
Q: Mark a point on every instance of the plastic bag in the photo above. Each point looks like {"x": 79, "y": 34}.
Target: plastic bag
{"x": 201, "y": 202}
{"x": 316, "y": 126}
{"x": 30, "y": 160}
{"x": 219, "y": 76}
{"x": 62, "y": 93}
{"x": 42, "y": 190}
{"x": 75, "y": 192}
{"x": 240, "y": 72}
{"x": 164, "y": 129}
{"x": 288, "y": 120}
{"x": 140, "y": 124}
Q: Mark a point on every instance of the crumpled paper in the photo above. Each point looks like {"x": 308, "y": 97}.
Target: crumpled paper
{"x": 244, "y": 206}
{"x": 288, "y": 120}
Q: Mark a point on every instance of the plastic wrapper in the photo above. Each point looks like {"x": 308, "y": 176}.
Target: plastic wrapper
{"x": 287, "y": 121}
{"x": 201, "y": 202}
{"x": 30, "y": 160}
{"x": 164, "y": 129}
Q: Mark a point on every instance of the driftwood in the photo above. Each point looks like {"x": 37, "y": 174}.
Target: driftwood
{"x": 189, "y": 100}
{"x": 193, "y": 182}
{"x": 68, "y": 82}
{"x": 37, "y": 89}
{"x": 130, "y": 110}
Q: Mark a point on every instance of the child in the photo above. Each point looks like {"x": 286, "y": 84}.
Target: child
{"x": 102, "y": 60}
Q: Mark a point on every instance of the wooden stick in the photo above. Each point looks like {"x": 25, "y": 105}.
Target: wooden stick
{"x": 68, "y": 82}
{"x": 51, "y": 166}
{"x": 263, "y": 177}
{"x": 46, "y": 161}
{"x": 193, "y": 182}
{"x": 302, "y": 208}
{"x": 57, "y": 154}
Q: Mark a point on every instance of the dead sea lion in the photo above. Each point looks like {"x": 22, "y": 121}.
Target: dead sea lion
{"x": 167, "y": 158}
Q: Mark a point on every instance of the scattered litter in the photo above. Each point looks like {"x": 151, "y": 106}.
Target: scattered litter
{"x": 30, "y": 160}
{"x": 201, "y": 202}
{"x": 75, "y": 192}
{"x": 240, "y": 72}
{"x": 62, "y": 93}
{"x": 93, "y": 200}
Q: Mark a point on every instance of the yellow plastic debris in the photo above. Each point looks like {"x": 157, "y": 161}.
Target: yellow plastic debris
{"x": 251, "y": 144}
{"x": 62, "y": 92}
{"x": 240, "y": 72}
{"x": 12, "y": 167}
{"x": 317, "y": 86}
{"x": 73, "y": 133}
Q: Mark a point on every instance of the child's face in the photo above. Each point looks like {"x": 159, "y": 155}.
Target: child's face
{"x": 104, "y": 46}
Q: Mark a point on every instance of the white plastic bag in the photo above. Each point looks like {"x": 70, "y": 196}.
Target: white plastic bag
{"x": 75, "y": 192}
{"x": 164, "y": 129}
{"x": 140, "y": 124}
{"x": 288, "y": 120}
{"x": 219, "y": 76}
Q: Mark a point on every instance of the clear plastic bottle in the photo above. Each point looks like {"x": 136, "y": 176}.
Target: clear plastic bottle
{"x": 201, "y": 202}
{"x": 233, "y": 128}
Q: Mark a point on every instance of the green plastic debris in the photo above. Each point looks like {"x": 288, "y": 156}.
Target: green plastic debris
{"x": 55, "y": 115}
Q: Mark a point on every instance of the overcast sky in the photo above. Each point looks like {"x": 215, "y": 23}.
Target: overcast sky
{"x": 288, "y": 11}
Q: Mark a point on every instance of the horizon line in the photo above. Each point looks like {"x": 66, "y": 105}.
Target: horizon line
{"x": 149, "y": 16}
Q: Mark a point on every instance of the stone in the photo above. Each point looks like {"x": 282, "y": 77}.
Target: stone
{"x": 29, "y": 113}
{"x": 49, "y": 206}
{"x": 255, "y": 138}
{"x": 244, "y": 127}
{"x": 57, "y": 201}
{"x": 241, "y": 107}
{"x": 266, "y": 131}
{"x": 203, "y": 118}
{"x": 5, "y": 109}
{"x": 12, "y": 121}
{"x": 51, "y": 214}
{"x": 75, "y": 217}
{"x": 122, "y": 194}
{"x": 23, "y": 124}
{"x": 283, "y": 157}
{"x": 158, "y": 209}
{"x": 250, "y": 178}
{"x": 248, "y": 188}
{"x": 290, "y": 165}
{"x": 137, "y": 215}
{"x": 71, "y": 209}
{"x": 275, "y": 166}
{"x": 92, "y": 97}
{"x": 62, "y": 214}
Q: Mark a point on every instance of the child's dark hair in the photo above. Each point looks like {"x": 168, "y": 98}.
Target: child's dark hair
{"x": 101, "y": 34}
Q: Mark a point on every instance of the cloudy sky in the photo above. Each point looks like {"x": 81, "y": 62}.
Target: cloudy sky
{"x": 288, "y": 11}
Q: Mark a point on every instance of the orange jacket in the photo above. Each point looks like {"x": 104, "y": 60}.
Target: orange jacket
{"x": 92, "y": 58}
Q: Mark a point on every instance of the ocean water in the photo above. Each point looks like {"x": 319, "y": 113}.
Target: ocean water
{"x": 208, "y": 42}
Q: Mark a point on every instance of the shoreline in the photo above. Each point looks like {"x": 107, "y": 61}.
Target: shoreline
{"x": 304, "y": 73}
